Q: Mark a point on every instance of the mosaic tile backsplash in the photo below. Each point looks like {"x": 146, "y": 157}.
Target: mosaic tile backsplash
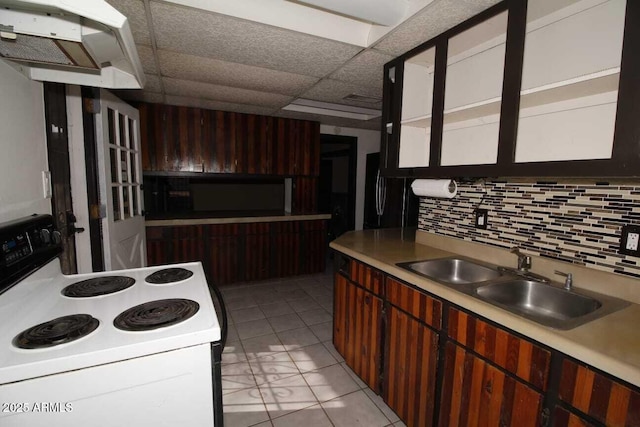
{"x": 576, "y": 223}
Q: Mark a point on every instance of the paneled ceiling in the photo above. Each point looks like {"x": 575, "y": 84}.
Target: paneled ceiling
{"x": 257, "y": 56}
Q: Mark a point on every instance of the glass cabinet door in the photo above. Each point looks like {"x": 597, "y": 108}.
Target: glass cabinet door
{"x": 473, "y": 94}
{"x": 570, "y": 76}
{"x": 417, "y": 101}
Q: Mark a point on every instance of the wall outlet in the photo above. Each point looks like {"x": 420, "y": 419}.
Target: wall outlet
{"x": 630, "y": 240}
{"x": 482, "y": 217}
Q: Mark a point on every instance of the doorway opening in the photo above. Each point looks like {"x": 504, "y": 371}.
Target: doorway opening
{"x": 337, "y": 186}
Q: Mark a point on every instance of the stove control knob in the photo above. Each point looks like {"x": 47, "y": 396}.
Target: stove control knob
{"x": 57, "y": 237}
{"x": 45, "y": 236}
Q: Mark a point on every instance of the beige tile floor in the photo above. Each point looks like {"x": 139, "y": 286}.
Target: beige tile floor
{"x": 279, "y": 367}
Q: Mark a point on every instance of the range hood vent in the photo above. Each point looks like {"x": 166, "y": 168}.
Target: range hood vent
{"x": 85, "y": 42}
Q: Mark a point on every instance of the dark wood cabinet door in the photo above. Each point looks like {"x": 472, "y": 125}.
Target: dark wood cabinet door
{"x": 286, "y": 248}
{"x": 357, "y": 330}
{"x": 600, "y": 397}
{"x": 521, "y": 357}
{"x": 152, "y": 143}
{"x": 253, "y": 145}
{"x": 564, "y": 418}
{"x": 305, "y": 195}
{"x": 411, "y": 355}
{"x": 256, "y": 251}
{"x": 219, "y": 144}
{"x": 475, "y": 393}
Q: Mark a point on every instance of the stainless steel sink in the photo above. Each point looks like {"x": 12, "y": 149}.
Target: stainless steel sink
{"x": 547, "y": 304}
{"x": 452, "y": 271}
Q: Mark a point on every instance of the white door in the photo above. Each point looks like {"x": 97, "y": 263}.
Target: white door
{"x": 118, "y": 138}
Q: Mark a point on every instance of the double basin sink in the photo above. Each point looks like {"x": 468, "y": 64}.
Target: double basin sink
{"x": 525, "y": 295}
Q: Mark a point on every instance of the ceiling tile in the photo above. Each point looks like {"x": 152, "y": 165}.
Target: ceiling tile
{"x": 153, "y": 84}
{"x": 373, "y": 124}
{"x": 224, "y": 93}
{"x": 219, "y": 106}
{"x": 431, "y": 21}
{"x": 230, "y": 39}
{"x": 139, "y": 96}
{"x": 365, "y": 69}
{"x": 189, "y": 67}
{"x": 328, "y": 90}
{"x": 135, "y": 13}
{"x": 147, "y": 59}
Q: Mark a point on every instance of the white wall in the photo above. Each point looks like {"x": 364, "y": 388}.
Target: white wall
{"x": 368, "y": 142}
{"x": 24, "y": 147}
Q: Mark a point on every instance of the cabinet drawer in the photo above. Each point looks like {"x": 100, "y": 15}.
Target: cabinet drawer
{"x": 418, "y": 304}
{"x": 366, "y": 276}
{"x": 518, "y": 356}
{"x": 603, "y": 398}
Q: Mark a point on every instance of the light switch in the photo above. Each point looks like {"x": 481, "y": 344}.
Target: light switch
{"x": 46, "y": 184}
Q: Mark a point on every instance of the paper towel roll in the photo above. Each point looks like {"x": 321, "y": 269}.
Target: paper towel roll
{"x": 443, "y": 188}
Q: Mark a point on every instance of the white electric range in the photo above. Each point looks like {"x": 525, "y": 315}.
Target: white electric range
{"x": 127, "y": 347}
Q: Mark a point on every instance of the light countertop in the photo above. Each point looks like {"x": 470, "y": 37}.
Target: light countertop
{"x": 611, "y": 343}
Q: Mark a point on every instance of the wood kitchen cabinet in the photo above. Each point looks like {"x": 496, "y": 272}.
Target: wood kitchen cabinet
{"x": 526, "y": 88}
{"x": 232, "y": 253}
{"x": 413, "y": 320}
{"x": 187, "y": 139}
{"x": 357, "y": 329}
{"x": 444, "y": 366}
{"x": 476, "y": 393}
{"x": 594, "y": 397}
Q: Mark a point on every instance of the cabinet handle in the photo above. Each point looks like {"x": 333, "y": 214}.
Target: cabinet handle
{"x": 367, "y": 299}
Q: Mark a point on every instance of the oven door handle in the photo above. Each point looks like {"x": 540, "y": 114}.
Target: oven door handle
{"x": 223, "y": 308}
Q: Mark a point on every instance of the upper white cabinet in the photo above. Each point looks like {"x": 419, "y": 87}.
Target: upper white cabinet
{"x": 473, "y": 93}
{"x": 570, "y": 78}
{"x": 417, "y": 101}
{"x": 529, "y": 88}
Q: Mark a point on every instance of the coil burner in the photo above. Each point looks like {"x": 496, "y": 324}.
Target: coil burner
{"x": 98, "y": 286}
{"x": 57, "y": 331}
{"x": 156, "y": 314}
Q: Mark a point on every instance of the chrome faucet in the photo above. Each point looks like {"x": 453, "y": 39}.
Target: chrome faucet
{"x": 568, "y": 282}
{"x": 524, "y": 261}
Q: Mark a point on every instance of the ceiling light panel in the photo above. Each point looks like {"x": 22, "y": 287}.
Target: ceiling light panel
{"x": 189, "y": 67}
{"x": 431, "y": 21}
{"x": 223, "y": 93}
{"x": 230, "y": 39}
{"x": 136, "y": 15}
{"x": 381, "y": 12}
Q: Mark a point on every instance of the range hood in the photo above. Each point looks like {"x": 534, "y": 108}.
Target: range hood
{"x": 83, "y": 42}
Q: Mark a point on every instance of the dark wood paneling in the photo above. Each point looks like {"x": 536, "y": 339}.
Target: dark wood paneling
{"x": 366, "y": 276}
{"x": 357, "y": 330}
{"x": 599, "y": 396}
{"x": 186, "y": 139}
{"x": 233, "y": 253}
{"x": 564, "y": 418}
{"x": 314, "y": 246}
{"x": 305, "y": 195}
{"x": 475, "y": 393}
{"x": 524, "y": 359}
{"x": 410, "y": 368}
{"x": 257, "y": 251}
{"x": 418, "y": 304}
{"x": 286, "y": 253}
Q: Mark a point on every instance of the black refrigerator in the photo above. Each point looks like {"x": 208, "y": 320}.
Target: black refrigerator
{"x": 388, "y": 202}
